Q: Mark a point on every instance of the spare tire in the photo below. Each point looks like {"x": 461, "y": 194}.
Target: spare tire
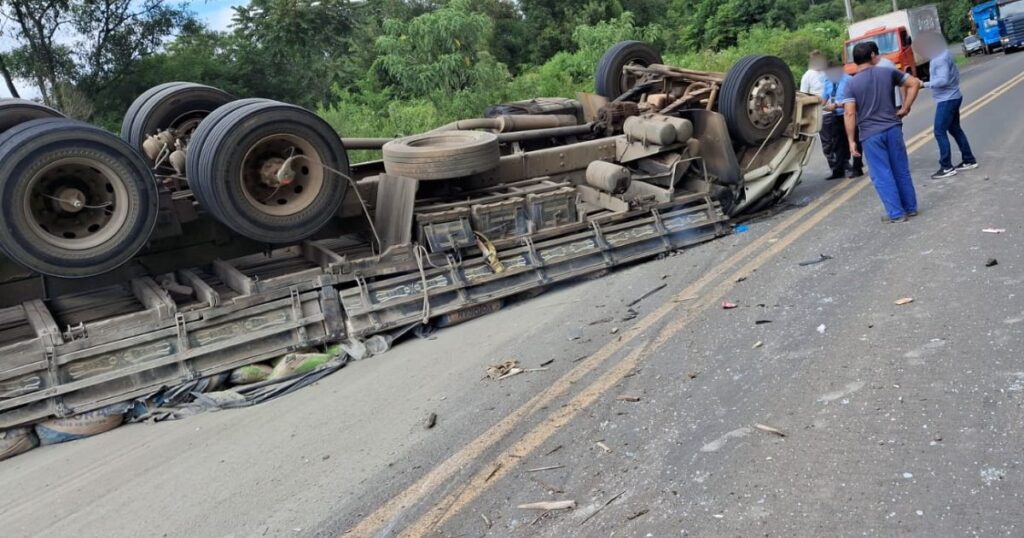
{"x": 17, "y": 111}
{"x": 442, "y": 154}
{"x": 757, "y": 99}
{"x": 609, "y": 80}
{"x": 234, "y": 158}
{"x": 75, "y": 200}
{"x": 178, "y": 105}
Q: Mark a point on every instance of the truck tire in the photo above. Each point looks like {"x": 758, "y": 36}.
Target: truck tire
{"x": 232, "y": 170}
{"x": 609, "y": 80}
{"x": 179, "y": 105}
{"x": 442, "y": 154}
{"x": 17, "y": 111}
{"x": 757, "y": 98}
{"x": 75, "y": 200}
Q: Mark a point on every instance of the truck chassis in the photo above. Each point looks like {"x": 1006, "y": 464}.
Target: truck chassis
{"x": 539, "y": 216}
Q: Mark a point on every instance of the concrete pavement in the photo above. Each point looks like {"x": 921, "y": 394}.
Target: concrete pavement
{"x": 899, "y": 420}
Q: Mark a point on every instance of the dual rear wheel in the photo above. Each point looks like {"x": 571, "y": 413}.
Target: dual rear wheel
{"x": 77, "y": 201}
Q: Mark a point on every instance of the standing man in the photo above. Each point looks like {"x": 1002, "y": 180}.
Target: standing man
{"x": 834, "y": 141}
{"x": 882, "y": 61}
{"x": 945, "y": 86}
{"x": 813, "y": 81}
{"x": 869, "y": 107}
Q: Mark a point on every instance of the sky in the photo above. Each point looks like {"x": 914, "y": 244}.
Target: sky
{"x": 215, "y": 13}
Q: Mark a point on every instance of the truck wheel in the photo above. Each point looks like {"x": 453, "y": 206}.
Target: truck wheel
{"x": 17, "y": 111}
{"x": 609, "y": 79}
{"x": 757, "y": 98}
{"x": 76, "y": 200}
{"x": 174, "y": 105}
{"x": 442, "y": 154}
{"x": 264, "y": 169}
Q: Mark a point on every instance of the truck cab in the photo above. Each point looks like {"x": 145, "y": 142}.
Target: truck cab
{"x": 893, "y": 43}
{"x": 985, "y": 24}
{"x": 1011, "y": 25}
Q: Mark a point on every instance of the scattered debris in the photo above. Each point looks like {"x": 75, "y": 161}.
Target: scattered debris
{"x": 758, "y": 344}
{"x": 603, "y": 446}
{"x": 553, "y": 450}
{"x": 430, "y": 422}
{"x": 253, "y": 373}
{"x": 991, "y": 262}
{"x": 762, "y": 321}
{"x": 508, "y": 368}
{"x": 692, "y": 375}
{"x": 547, "y": 362}
{"x": 821, "y": 328}
{"x": 548, "y": 468}
{"x": 685, "y": 299}
{"x": 821, "y": 258}
{"x": 548, "y": 505}
{"x": 494, "y": 471}
{"x": 770, "y": 429}
{"x": 615, "y": 330}
{"x": 487, "y": 522}
{"x": 630, "y": 315}
{"x": 628, "y": 398}
{"x": 904, "y": 300}
{"x": 728, "y": 306}
{"x": 741, "y": 279}
{"x": 600, "y": 321}
{"x": 741, "y": 228}
{"x": 637, "y": 514}
{"x": 654, "y": 290}
{"x": 602, "y": 507}
{"x": 994, "y": 230}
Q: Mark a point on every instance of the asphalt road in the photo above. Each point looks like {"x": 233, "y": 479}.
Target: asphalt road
{"x": 898, "y": 419}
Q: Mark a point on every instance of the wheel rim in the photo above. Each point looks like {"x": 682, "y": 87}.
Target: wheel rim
{"x": 261, "y": 164}
{"x": 628, "y": 79}
{"x": 76, "y": 204}
{"x": 764, "y": 102}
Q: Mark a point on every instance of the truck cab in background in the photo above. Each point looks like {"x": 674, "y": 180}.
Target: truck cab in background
{"x": 1011, "y": 24}
{"x": 895, "y": 33}
{"x": 984, "y": 19}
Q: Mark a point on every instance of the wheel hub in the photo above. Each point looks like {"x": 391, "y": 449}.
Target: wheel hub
{"x": 76, "y": 204}
{"x": 70, "y": 199}
{"x": 764, "y": 104}
{"x": 282, "y": 174}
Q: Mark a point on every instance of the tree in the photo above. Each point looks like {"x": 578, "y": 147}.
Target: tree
{"x": 292, "y": 49}
{"x": 441, "y": 51}
{"x": 72, "y": 49}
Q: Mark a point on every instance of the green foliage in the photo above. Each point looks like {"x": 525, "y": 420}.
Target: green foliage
{"x": 441, "y": 51}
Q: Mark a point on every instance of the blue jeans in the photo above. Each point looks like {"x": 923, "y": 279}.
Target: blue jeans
{"x": 947, "y": 120}
{"x": 886, "y": 154}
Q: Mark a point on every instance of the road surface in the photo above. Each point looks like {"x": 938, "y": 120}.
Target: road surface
{"x": 897, "y": 419}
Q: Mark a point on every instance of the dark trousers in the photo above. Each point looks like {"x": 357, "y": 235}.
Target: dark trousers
{"x": 947, "y": 122}
{"x": 836, "y": 145}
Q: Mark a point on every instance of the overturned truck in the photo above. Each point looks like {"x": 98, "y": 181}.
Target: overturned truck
{"x": 218, "y": 232}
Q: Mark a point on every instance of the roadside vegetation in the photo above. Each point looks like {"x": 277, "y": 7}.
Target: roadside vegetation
{"x": 394, "y": 67}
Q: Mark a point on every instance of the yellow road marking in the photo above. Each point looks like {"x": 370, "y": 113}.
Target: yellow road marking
{"x": 384, "y": 518}
{"x": 928, "y": 135}
{"x": 384, "y": 515}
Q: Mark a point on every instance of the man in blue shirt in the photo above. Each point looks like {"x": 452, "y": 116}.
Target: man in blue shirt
{"x": 945, "y": 86}
{"x": 833, "y": 130}
{"x": 870, "y": 108}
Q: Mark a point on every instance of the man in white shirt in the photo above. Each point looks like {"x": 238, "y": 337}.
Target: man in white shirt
{"x": 813, "y": 81}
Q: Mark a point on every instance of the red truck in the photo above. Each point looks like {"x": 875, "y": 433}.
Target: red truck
{"x": 895, "y": 33}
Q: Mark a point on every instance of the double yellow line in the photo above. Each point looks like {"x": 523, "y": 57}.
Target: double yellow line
{"x": 927, "y": 136}
{"x": 389, "y": 516}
